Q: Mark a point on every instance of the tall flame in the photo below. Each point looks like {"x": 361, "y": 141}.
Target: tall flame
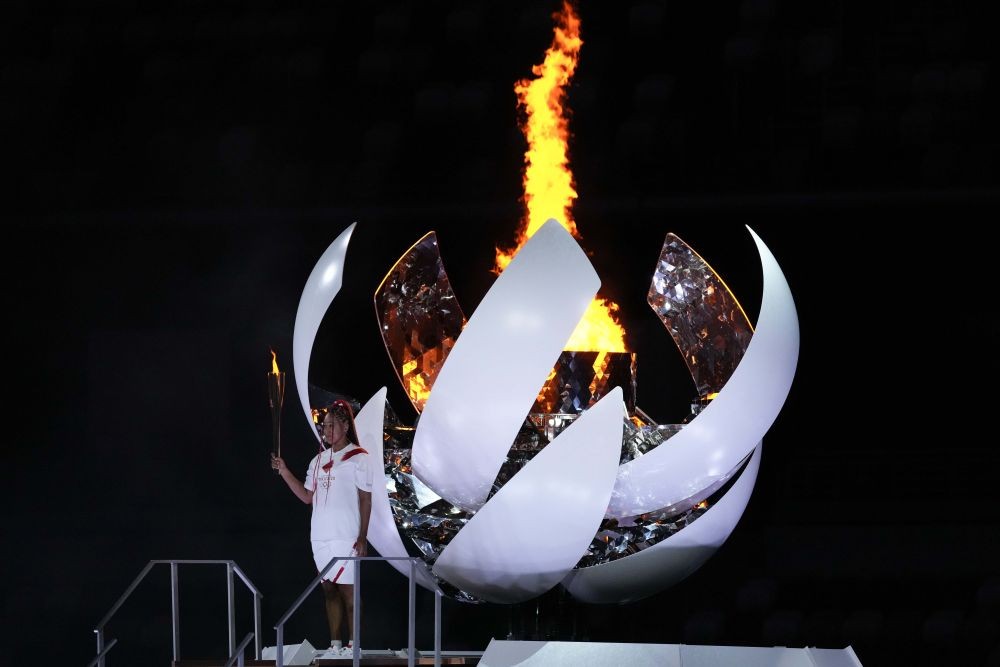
{"x": 274, "y": 363}
{"x": 548, "y": 180}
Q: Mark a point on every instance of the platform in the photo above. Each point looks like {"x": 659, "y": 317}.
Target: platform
{"x": 382, "y": 658}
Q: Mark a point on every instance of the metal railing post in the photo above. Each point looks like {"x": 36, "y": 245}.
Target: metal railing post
{"x": 237, "y": 656}
{"x": 175, "y": 605}
{"x": 437, "y": 628}
{"x": 231, "y": 607}
{"x": 121, "y": 600}
{"x": 279, "y": 657}
{"x": 356, "y": 635}
{"x": 256, "y": 626}
{"x": 99, "y": 660}
{"x": 411, "y": 619}
{"x": 100, "y": 647}
{"x": 231, "y": 569}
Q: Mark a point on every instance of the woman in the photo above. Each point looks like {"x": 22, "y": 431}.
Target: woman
{"x": 338, "y": 486}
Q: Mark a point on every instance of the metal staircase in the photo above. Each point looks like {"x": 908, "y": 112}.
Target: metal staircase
{"x": 233, "y": 570}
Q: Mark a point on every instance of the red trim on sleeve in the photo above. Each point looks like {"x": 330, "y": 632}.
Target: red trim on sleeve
{"x": 354, "y": 452}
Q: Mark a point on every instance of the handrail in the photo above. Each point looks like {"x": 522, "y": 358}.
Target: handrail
{"x": 238, "y": 656}
{"x": 128, "y": 592}
{"x": 231, "y": 569}
{"x": 100, "y": 656}
{"x": 356, "y": 639}
{"x": 246, "y": 580}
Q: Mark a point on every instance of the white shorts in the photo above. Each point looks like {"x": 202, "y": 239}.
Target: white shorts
{"x": 324, "y": 551}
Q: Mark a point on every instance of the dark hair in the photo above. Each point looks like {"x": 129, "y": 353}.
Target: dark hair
{"x": 341, "y": 411}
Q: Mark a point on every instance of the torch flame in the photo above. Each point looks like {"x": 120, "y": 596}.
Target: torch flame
{"x": 548, "y": 181}
{"x": 274, "y": 363}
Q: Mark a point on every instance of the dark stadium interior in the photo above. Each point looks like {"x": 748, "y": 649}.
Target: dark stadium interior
{"x": 175, "y": 171}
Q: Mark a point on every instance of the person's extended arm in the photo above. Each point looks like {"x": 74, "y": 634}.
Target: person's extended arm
{"x": 365, "y": 507}
{"x": 300, "y": 491}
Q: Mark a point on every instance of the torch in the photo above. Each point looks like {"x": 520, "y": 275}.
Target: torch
{"x": 275, "y": 398}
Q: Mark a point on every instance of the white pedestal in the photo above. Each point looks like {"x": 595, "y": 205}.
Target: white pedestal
{"x": 576, "y": 654}
{"x": 294, "y": 654}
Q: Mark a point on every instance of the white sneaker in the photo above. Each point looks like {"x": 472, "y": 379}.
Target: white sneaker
{"x": 332, "y": 652}
{"x": 347, "y": 651}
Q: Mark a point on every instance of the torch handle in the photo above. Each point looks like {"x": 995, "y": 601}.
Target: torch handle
{"x": 276, "y": 436}
{"x": 276, "y": 399}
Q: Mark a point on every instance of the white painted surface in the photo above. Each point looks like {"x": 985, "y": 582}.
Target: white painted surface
{"x": 321, "y": 287}
{"x": 382, "y": 532}
{"x": 493, "y": 374}
{"x": 726, "y": 431}
{"x": 665, "y": 563}
{"x": 537, "y": 527}
{"x": 592, "y": 654}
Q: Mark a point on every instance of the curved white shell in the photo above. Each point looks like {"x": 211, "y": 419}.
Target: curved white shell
{"x": 724, "y": 433}
{"x": 538, "y": 525}
{"x": 382, "y": 532}
{"x": 321, "y": 287}
{"x": 664, "y": 564}
{"x": 492, "y": 376}
{"x": 536, "y": 528}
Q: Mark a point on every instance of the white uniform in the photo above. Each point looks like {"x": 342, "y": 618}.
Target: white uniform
{"x": 335, "y": 478}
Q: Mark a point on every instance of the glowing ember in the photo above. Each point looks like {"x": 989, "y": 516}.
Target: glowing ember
{"x": 548, "y": 180}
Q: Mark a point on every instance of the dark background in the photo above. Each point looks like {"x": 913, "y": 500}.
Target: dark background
{"x": 173, "y": 173}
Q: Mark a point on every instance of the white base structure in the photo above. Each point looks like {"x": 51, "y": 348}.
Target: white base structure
{"x": 583, "y": 654}
{"x": 294, "y": 654}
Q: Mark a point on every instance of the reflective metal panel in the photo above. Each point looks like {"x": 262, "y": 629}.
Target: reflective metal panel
{"x": 702, "y": 315}
{"x": 492, "y": 375}
{"x": 708, "y": 448}
{"x": 419, "y": 317}
{"x": 580, "y": 379}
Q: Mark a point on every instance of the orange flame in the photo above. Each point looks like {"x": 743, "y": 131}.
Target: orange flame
{"x": 548, "y": 180}
{"x": 274, "y": 363}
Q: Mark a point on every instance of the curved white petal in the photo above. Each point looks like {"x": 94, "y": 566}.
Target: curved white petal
{"x": 492, "y": 376}
{"x": 664, "y": 564}
{"x": 321, "y": 287}
{"x": 537, "y": 527}
{"x": 724, "y": 432}
{"x": 382, "y": 532}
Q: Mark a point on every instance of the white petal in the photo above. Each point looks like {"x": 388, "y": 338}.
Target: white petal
{"x": 382, "y": 532}
{"x": 321, "y": 287}
{"x": 537, "y": 527}
{"x": 664, "y": 564}
{"x": 492, "y": 376}
{"x": 724, "y": 432}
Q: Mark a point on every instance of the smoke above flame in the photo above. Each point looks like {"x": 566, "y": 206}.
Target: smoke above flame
{"x": 549, "y": 190}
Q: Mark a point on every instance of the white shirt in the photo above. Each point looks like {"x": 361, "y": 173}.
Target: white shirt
{"x": 335, "y": 511}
